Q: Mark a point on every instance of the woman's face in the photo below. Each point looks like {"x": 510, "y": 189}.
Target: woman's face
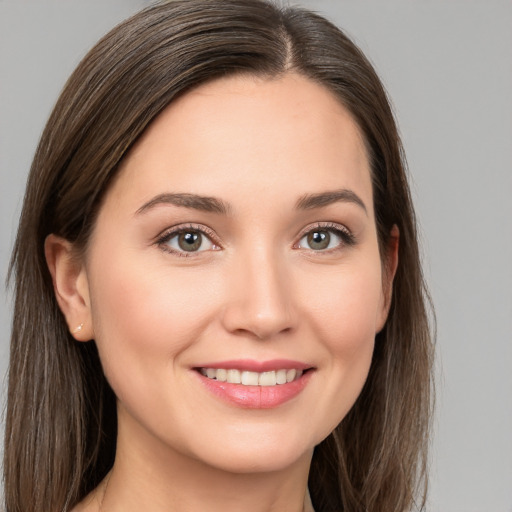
{"x": 238, "y": 241}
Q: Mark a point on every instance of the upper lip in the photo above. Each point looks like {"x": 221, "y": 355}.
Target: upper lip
{"x": 251, "y": 365}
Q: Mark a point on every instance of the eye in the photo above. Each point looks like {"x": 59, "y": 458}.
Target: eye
{"x": 185, "y": 241}
{"x": 324, "y": 238}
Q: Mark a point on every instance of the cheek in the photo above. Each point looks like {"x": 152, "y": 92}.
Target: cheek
{"x": 145, "y": 316}
{"x": 346, "y": 306}
{"x": 343, "y": 315}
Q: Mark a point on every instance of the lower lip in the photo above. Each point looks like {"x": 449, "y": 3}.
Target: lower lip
{"x": 256, "y": 397}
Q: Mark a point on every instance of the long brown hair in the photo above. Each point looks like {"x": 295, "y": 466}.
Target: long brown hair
{"x": 61, "y": 417}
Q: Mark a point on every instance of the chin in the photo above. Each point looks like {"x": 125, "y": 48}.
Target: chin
{"x": 262, "y": 453}
{"x": 258, "y": 461}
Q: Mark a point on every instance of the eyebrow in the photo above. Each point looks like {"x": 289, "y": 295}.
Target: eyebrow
{"x": 214, "y": 205}
{"x": 310, "y": 201}
{"x": 194, "y": 201}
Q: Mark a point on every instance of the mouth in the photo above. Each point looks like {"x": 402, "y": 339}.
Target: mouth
{"x": 255, "y": 385}
{"x": 249, "y": 378}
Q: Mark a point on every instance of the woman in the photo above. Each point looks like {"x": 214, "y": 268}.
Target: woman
{"x": 219, "y": 302}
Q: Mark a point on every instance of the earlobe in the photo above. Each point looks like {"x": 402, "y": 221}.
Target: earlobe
{"x": 390, "y": 264}
{"x": 70, "y": 285}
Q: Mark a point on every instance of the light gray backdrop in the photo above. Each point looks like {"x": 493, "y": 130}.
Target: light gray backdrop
{"x": 447, "y": 66}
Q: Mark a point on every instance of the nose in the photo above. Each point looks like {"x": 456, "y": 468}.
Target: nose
{"x": 260, "y": 297}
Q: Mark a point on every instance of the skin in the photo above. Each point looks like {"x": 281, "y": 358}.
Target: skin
{"x": 257, "y": 291}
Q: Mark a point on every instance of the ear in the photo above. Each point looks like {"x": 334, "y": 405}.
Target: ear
{"x": 390, "y": 264}
{"x": 70, "y": 284}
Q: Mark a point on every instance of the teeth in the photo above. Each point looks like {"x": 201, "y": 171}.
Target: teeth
{"x": 233, "y": 377}
{"x": 247, "y": 378}
{"x": 267, "y": 379}
{"x": 222, "y": 375}
{"x": 281, "y": 377}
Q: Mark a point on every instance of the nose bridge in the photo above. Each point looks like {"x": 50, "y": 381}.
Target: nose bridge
{"x": 260, "y": 300}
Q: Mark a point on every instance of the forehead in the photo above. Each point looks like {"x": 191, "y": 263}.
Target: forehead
{"x": 286, "y": 135}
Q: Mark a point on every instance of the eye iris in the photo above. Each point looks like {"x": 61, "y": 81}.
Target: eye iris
{"x": 189, "y": 241}
{"x": 319, "y": 239}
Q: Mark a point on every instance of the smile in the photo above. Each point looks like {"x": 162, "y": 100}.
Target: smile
{"x": 248, "y": 378}
{"x": 255, "y": 385}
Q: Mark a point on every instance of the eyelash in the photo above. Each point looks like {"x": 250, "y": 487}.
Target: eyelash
{"x": 163, "y": 240}
{"x": 343, "y": 233}
{"x": 346, "y": 237}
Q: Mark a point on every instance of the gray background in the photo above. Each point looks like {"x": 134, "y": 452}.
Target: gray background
{"x": 447, "y": 66}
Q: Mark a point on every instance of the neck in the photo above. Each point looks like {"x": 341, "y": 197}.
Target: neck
{"x": 156, "y": 478}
